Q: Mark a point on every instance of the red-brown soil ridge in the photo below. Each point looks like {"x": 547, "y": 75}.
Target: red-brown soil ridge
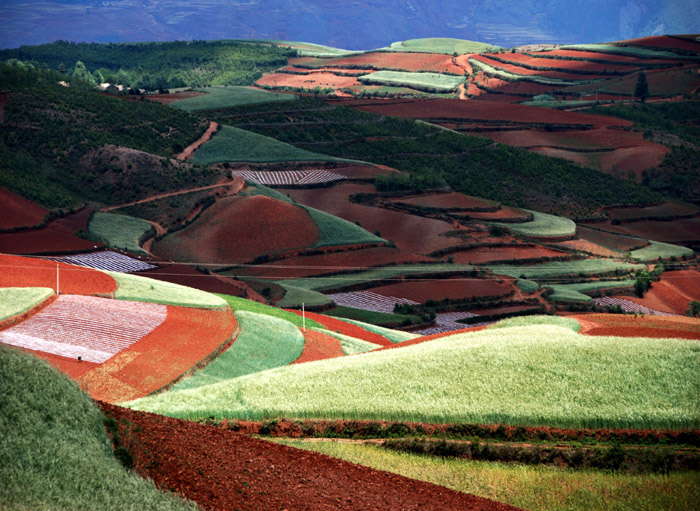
{"x": 319, "y": 346}
{"x": 344, "y": 328}
{"x": 223, "y": 470}
{"x": 672, "y": 293}
{"x": 16, "y": 211}
{"x": 238, "y": 229}
{"x": 639, "y": 326}
{"x": 456, "y": 288}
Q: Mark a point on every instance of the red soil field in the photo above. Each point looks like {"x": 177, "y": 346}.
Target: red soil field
{"x": 29, "y": 272}
{"x": 669, "y": 209}
{"x": 223, "y": 470}
{"x": 334, "y": 70}
{"x": 432, "y": 62}
{"x": 578, "y": 65}
{"x": 336, "y": 325}
{"x": 501, "y": 98}
{"x": 409, "y": 232}
{"x": 623, "y": 325}
{"x": 187, "y": 337}
{"x": 238, "y": 229}
{"x": 16, "y": 211}
{"x": 495, "y": 254}
{"x": 454, "y": 109}
{"x": 463, "y": 62}
{"x": 306, "y": 266}
{"x": 309, "y": 81}
{"x": 678, "y": 231}
{"x": 608, "y": 57}
{"x": 319, "y": 346}
{"x": 506, "y": 212}
{"x": 662, "y": 82}
{"x": 610, "y": 240}
{"x": 454, "y": 289}
{"x": 523, "y": 71}
{"x": 57, "y": 237}
{"x": 672, "y": 293}
{"x": 519, "y": 87}
{"x": 450, "y": 200}
{"x": 588, "y": 246}
{"x": 663, "y": 41}
{"x": 167, "y": 99}
{"x": 188, "y": 276}
{"x": 362, "y": 171}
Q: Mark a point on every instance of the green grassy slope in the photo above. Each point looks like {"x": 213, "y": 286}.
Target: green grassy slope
{"x": 120, "y": 230}
{"x": 241, "y": 304}
{"x": 54, "y": 451}
{"x": 428, "y": 82}
{"x": 543, "y": 225}
{"x": 143, "y": 289}
{"x": 445, "y": 45}
{"x": 17, "y": 300}
{"x": 338, "y": 231}
{"x": 264, "y": 342}
{"x": 226, "y": 97}
{"x": 532, "y": 375}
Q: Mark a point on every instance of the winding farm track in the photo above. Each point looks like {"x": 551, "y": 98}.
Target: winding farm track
{"x": 190, "y": 149}
{"x": 236, "y": 185}
{"x": 222, "y": 470}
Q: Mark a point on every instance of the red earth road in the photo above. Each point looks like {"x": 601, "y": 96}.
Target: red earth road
{"x": 190, "y": 149}
{"x": 223, "y": 470}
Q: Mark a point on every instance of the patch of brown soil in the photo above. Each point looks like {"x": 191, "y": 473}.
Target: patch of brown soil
{"x": 454, "y": 289}
{"x": 677, "y": 231}
{"x": 409, "y": 232}
{"x": 507, "y": 253}
{"x": 625, "y": 325}
{"x": 188, "y": 276}
{"x": 239, "y": 229}
{"x": 168, "y": 99}
{"x": 16, "y": 211}
{"x": 450, "y": 200}
{"x": 223, "y": 470}
{"x": 190, "y": 149}
{"x": 308, "y": 81}
{"x": 319, "y": 346}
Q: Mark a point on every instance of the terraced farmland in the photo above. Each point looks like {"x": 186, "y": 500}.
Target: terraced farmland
{"x": 95, "y": 329}
{"x": 289, "y": 177}
{"x": 429, "y": 82}
{"x": 105, "y": 260}
{"x": 120, "y": 231}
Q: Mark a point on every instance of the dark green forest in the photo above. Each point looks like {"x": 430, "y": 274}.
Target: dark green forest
{"x": 159, "y": 65}
{"x": 436, "y": 157}
{"x": 57, "y": 143}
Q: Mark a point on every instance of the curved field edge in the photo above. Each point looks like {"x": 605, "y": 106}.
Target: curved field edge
{"x": 541, "y": 375}
{"x": 18, "y": 300}
{"x": 227, "y": 97}
{"x": 542, "y": 225}
{"x": 143, "y": 289}
{"x": 537, "y": 488}
{"x": 55, "y": 451}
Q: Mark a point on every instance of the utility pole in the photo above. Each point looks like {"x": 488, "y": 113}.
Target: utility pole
{"x": 303, "y": 317}
{"x": 58, "y": 291}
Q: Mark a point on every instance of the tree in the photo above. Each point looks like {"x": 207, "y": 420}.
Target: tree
{"x": 641, "y": 90}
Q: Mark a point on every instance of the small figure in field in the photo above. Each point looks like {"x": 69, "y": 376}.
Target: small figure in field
{"x": 80, "y": 359}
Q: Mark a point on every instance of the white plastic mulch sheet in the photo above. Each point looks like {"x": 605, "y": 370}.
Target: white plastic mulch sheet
{"x": 95, "y": 329}
{"x": 629, "y": 306}
{"x": 105, "y": 260}
{"x": 289, "y": 177}
{"x": 369, "y": 301}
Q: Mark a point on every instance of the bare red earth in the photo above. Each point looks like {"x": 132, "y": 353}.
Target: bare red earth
{"x": 523, "y": 71}
{"x": 319, "y": 346}
{"x": 678, "y": 231}
{"x": 186, "y": 338}
{"x": 344, "y": 328}
{"x": 506, "y": 212}
{"x": 450, "y": 200}
{"x": 167, "y": 99}
{"x": 609, "y": 240}
{"x": 512, "y": 253}
{"x": 566, "y": 65}
{"x": 639, "y": 326}
{"x": 432, "y": 62}
{"x": 409, "y": 232}
{"x": 238, "y": 229}
{"x": 29, "y": 272}
{"x": 454, "y": 289}
{"x": 224, "y": 470}
{"x": 669, "y": 209}
{"x": 308, "y": 81}
{"x": 479, "y": 110}
{"x": 57, "y": 237}
{"x": 662, "y": 41}
{"x": 188, "y": 276}
{"x": 608, "y": 57}
{"x": 672, "y": 293}
{"x": 307, "y": 266}
{"x": 16, "y": 211}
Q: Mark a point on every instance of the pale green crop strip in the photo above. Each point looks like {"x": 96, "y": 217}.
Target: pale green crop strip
{"x": 227, "y": 97}
{"x": 120, "y": 231}
{"x": 350, "y": 345}
{"x": 142, "y": 289}
{"x": 296, "y": 296}
{"x": 542, "y": 225}
{"x": 508, "y": 76}
{"x": 241, "y": 304}
{"x": 656, "y": 249}
{"x": 575, "y": 292}
{"x": 569, "y": 323}
{"x": 533, "y": 375}
{"x": 432, "y": 82}
{"x": 394, "y": 336}
{"x": 558, "y": 268}
{"x": 263, "y": 343}
{"x": 445, "y": 45}
{"x": 338, "y": 231}
{"x": 18, "y": 300}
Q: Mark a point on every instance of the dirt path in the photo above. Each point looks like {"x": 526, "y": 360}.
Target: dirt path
{"x": 236, "y": 183}
{"x": 462, "y": 91}
{"x": 223, "y": 470}
{"x": 159, "y": 232}
{"x": 190, "y": 149}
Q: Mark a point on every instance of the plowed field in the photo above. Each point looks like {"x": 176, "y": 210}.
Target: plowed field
{"x": 668, "y": 209}
{"x": 678, "y": 231}
{"x": 167, "y": 99}
{"x": 454, "y": 289}
{"x": 297, "y": 267}
{"x": 523, "y": 71}
{"x": 308, "y": 81}
{"x": 498, "y": 254}
{"x": 409, "y": 232}
{"x": 433, "y": 62}
{"x": 608, "y": 57}
{"x": 238, "y": 229}
{"x": 672, "y": 293}
{"x": 566, "y": 65}
{"x": 58, "y": 236}
{"x": 451, "y": 200}
{"x": 188, "y": 276}
{"x": 456, "y": 109}
{"x": 187, "y": 337}
{"x": 16, "y": 211}
{"x": 319, "y": 346}
{"x": 610, "y": 240}
{"x": 640, "y": 326}
{"x": 662, "y": 41}
{"x": 224, "y": 470}
{"x": 29, "y": 272}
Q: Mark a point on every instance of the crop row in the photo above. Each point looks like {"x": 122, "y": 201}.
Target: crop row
{"x": 105, "y": 260}
{"x": 628, "y": 306}
{"x": 289, "y": 177}
{"x": 367, "y": 300}
{"x": 428, "y": 82}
